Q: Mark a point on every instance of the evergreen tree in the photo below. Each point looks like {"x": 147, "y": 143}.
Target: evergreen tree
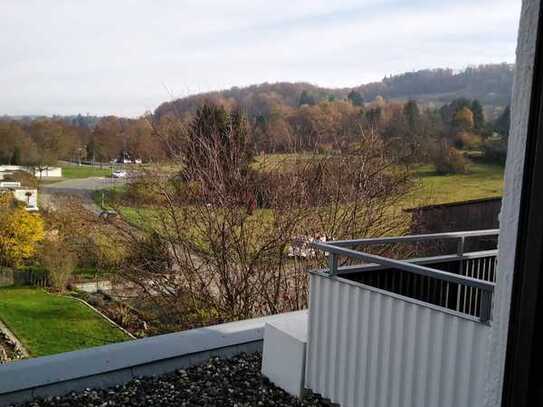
{"x": 449, "y": 111}
{"x": 412, "y": 114}
{"x": 355, "y": 98}
{"x": 307, "y": 99}
{"x": 502, "y": 123}
{"x": 16, "y": 157}
{"x": 261, "y": 120}
{"x": 218, "y": 141}
{"x": 478, "y": 115}
{"x": 374, "y": 116}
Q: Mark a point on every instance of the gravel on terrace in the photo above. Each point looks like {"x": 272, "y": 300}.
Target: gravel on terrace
{"x": 219, "y": 382}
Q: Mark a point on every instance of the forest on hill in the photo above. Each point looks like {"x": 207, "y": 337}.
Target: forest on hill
{"x": 416, "y": 133}
{"x": 490, "y": 84}
{"x": 414, "y": 111}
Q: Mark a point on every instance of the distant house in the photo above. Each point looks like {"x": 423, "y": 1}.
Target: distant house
{"x": 125, "y": 158}
{"x": 29, "y": 196}
{"x": 47, "y": 172}
{"x": 41, "y": 172}
{"x": 10, "y": 184}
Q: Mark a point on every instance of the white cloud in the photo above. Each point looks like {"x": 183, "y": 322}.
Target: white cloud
{"x": 70, "y": 56}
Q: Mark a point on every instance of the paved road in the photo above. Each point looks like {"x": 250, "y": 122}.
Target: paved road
{"x": 81, "y": 188}
{"x": 83, "y": 184}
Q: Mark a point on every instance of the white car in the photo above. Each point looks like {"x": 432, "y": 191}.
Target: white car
{"x": 119, "y": 174}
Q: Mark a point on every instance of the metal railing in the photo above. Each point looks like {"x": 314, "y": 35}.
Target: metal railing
{"x": 463, "y": 282}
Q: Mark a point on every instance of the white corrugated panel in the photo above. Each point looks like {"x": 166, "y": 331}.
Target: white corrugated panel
{"x": 369, "y": 349}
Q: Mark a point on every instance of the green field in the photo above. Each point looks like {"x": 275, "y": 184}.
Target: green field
{"x": 85, "y": 172}
{"x": 481, "y": 181}
{"x": 47, "y": 324}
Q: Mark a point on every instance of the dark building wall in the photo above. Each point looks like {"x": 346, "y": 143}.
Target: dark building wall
{"x": 459, "y": 216}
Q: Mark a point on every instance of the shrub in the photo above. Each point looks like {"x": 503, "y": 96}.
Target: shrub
{"x": 20, "y": 232}
{"x": 467, "y": 140}
{"x": 464, "y": 119}
{"x": 59, "y": 263}
{"x": 140, "y": 193}
{"x": 92, "y": 239}
{"x": 495, "y": 151}
{"x": 96, "y": 300}
{"x": 449, "y": 160}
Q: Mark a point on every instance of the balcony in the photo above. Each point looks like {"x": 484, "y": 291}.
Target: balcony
{"x": 409, "y": 332}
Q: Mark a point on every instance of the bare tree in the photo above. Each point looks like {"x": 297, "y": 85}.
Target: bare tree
{"x": 214, "y": 244}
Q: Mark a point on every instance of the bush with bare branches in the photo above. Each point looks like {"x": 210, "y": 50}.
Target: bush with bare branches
{"x": 59, "y": 262}
{"x": 216, "y": 247}
{"x": 96, "y": 243}
{"x": 449, "y": 160}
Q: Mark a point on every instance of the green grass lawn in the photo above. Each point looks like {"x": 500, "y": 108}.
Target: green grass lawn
{"x": 85, "y": 172}
{"x": 278, "y": 161}
{"x": 47, "y": 324}
{"x": 89, "y": 273}
{"x": 481, "y": 181}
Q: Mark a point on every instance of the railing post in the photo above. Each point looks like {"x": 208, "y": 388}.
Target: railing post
{"x": 461, "y": 243}
{"x": 486, "y": 305}
{"x": 332, "y": 264}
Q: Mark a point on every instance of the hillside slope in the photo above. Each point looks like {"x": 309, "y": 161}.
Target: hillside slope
{"x": 491, "y": 84}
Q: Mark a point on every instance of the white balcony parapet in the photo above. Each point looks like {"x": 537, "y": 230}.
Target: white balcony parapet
{"x": 401, "y": 332}
{"x": 284, "y": 353}
{"x": 481, "y": 283}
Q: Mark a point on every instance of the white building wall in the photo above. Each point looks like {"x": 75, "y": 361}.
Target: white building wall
{"x": 371, "y": 348}
{"x": 520, "y": 108}
{"x": 11, "y": 168}
{"x": 31, "y": 200}
{"x": 49, "y": 172}
{"x": 10, "y": 184}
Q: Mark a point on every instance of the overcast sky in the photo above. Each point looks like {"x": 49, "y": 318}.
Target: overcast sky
{"x": 125, "y": 57}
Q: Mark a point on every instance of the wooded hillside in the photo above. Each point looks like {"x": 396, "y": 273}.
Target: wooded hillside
{"x": 490, "y": 84}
